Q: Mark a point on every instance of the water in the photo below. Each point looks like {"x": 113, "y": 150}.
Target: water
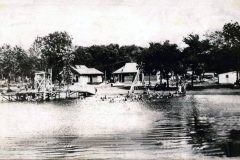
{"x": 191, "y": 127}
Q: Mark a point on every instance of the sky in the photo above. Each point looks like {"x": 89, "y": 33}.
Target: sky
{"x": 125, "y": 22}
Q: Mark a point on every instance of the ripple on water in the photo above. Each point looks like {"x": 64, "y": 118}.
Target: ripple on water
{"x": 186, "y": 127}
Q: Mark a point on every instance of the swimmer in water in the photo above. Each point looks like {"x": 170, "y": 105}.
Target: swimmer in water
{"x": 111, "y": 100}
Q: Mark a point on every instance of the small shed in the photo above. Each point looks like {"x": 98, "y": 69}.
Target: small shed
{"x": 228, "y": 78}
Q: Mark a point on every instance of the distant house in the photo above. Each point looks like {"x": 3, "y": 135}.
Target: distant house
{"x": 127, "y": 73}
{"x": 228, "y": 78}
{"x": 83, "y": 75}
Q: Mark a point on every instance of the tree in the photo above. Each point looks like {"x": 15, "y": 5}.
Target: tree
{"x": 145, "y": 62}
{"x": 231, "y": 35}
{"x": 82, "y": 56}
{"x": 52, "y": 49}
{"x": 8, "y": 60}
{"x": 226, "y": 48}
{"x": 14, "y": 62}
{"x": 68, "y": 58}
{"x": 24, "y": 65}
{"x": 165, "y": 58}
{"x": 131, "y": 52}
{"x": 193, "y": 53}
{"x": 218, "y": 54}
{"x": 105, "y": 58}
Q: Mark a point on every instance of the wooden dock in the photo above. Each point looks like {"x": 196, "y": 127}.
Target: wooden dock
{"x": 45, "y": 96}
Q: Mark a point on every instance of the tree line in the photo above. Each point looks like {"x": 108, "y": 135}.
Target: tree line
{"x": 218, "y": 51}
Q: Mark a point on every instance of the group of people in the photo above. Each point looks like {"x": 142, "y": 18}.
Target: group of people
{"x": 182, "y": 88}
{"x": 147, "y": 95}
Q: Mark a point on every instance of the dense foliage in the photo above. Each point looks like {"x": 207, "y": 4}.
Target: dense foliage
{"x": 218, "y": 52}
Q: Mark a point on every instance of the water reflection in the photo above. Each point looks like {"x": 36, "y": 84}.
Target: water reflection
{"x": 191, "y": 127}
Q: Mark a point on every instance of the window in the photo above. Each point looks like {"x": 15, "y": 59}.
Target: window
{"x": 227, "y": 76}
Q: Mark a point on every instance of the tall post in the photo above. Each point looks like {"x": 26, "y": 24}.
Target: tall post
{"x": 105, "y": 79}
{"x": 44, "y": 86}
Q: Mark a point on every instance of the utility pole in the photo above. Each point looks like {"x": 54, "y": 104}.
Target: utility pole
{"x": 64, "y": 68}
{"x": 51, "y": 83}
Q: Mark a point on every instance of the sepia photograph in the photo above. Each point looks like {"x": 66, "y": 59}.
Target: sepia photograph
{"x": 119, "y": 79}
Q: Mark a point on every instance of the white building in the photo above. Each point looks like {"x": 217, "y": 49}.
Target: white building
{"x": 127, "y": 73}
{"x": 228, "y": 78}
{"x": 83, "y": 75}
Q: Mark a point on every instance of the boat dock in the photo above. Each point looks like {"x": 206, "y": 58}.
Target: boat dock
{"x": 47, "y": 95}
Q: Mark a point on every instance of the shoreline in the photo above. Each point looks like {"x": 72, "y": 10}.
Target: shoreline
{"x": 103, "y": 90}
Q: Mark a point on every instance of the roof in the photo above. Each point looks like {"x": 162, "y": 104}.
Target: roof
{"x": 232, "y": 72}
{"x": 119, "y": 70}
{"x": 94, "y": 71}
{"x": 41, "y": 72}
{"x": 130, "y": 68}
{"x": 81, "y": 69}
{"x": 208, "y": 73}
{"x": 80, "y": 66}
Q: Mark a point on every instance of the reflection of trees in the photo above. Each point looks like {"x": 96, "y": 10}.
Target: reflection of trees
{"x": 202, "y": 133}
{"x": 201, "y": 130}
{"x": 232, "y": 146}
{"x": 209, "y": 137}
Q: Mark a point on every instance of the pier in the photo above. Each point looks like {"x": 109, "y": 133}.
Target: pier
{"x": 45, "y": 90}
{"x": 45, "y": 96}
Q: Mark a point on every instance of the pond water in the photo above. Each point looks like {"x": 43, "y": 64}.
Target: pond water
{"x": 190, "y": 127}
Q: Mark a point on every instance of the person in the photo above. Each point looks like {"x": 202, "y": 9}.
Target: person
{"x": 95, "y": 90}
{"x": 26, "y": 87}
{"x": 183, "y": 87}
{"x": 148, "y": 91}
{"x": 180, "y": 88}
{"x": 111, "y": 100}
{"x": 128, "y": 95}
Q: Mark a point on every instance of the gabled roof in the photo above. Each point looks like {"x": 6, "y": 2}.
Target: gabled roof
{"x": 130, "y": 68}
{"x": 80, "y": 66}
{"x": 94, "y": 71}
{"x": 119, "y": 70}
{"x": 83, "y": 70}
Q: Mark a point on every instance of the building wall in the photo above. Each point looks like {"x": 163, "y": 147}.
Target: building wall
{"x": 128, "y": 78}
{"x": 154, "y": 79}
{"x": 228, "y": 78}
{"x": 85, "y": 79}
{"x": 97, "y": 79}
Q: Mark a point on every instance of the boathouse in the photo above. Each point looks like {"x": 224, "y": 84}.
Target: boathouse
{"x": 83, "y": 75}
{"x": 228, "y": 78}
{"x": 127, "y": 73}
